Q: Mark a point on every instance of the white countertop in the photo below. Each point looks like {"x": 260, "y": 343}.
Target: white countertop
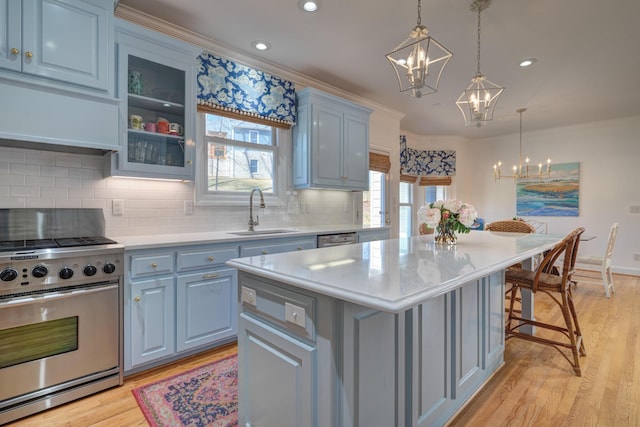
{"x": 397, "y": 274}
{"x": 168, "y": 240}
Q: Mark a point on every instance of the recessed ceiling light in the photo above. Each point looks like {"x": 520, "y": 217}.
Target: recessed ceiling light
{"x": 528, "y": 62}
{"x": 261, "y": 45}
{"x": 308, "y": 5}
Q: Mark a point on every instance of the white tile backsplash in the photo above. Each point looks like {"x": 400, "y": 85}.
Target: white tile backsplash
{"x": 39, "y": 179}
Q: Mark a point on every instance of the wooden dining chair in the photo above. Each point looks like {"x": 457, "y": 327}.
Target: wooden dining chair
{"x": 510, "y": 226}
{"x": 558, "y": 288}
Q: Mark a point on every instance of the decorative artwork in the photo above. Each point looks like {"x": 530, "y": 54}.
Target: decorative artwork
{"x": 556, "y": 195}
{"x": 426, "y": 162}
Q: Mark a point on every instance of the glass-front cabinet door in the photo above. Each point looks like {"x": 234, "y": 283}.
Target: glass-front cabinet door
{"x": 156, "y": 86}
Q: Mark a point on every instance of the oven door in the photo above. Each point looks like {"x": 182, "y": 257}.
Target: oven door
{"x": 51, "y": 339}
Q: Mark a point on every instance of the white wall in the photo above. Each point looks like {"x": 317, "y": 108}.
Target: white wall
{"x": 609, "y": 156}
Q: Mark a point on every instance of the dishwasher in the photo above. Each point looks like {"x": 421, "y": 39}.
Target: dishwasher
{"x": 328, "y": 240}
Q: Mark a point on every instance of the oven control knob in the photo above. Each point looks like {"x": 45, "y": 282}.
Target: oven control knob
{"x": 65, "y": 273}
{"x": 39, "y": 271}
{"x": 89, "y": 270}
{"x": 109, "y": 268}
{"x": 8, "y": 275}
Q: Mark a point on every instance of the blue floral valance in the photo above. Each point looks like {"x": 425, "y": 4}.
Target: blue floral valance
{"x": 426, "y": 162}
{"x": 227, "y": 86}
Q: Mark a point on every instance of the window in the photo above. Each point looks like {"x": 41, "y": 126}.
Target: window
{"x": 235, "y": 157}
{"x": 433, "y": 193}
{"x": 406, "y": 209}
{"x": 373, "y": 200}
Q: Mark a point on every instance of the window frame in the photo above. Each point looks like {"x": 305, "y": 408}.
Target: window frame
{"x": 281, "y": 148}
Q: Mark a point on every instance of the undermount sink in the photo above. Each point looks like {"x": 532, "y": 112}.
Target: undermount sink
{"x": 251, "y": 233}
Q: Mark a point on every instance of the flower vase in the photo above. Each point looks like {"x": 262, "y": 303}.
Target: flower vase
{"x": 445, "y": 235}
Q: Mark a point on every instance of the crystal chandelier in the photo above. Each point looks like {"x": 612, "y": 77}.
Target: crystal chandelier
{"x": 479, "y": 100}
{"x": 418, "y": 61}
{"x": 523, "y": 171}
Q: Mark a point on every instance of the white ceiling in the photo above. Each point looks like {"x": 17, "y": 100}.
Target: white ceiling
{"x": 588, "y": 53}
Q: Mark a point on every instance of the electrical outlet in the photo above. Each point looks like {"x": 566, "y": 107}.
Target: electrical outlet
{"x": 634, "y": 209}
{"x": 249, "y": 296}
{"x": 294, "y": 314}
{"x": 636, "y": 257}
{"x": 117, "y": 207}
{"x": 188, "y": 207}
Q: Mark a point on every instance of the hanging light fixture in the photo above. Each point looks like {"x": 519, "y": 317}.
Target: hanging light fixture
{"x": 522, "y": 171}
{"x": 479, "y": 100}
{"x": 418, "y": 61}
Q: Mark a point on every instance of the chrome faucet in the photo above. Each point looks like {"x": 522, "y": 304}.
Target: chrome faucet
{"x": 253, "y": 223}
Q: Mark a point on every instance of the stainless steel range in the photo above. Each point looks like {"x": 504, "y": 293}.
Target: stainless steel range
{"x": 60, "y": 308}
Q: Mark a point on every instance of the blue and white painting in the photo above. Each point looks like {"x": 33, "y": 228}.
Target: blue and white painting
{"x": 556, "y": 195}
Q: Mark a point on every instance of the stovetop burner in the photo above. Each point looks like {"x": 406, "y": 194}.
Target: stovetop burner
{"x": 67, "y": 242}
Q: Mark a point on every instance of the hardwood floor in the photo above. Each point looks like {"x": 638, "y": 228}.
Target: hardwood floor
{"x": 117, "y": 406}
{"x": 535, "y": 387}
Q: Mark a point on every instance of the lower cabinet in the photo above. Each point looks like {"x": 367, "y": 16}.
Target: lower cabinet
{"x": 206, "y": 308}
{"x": 373, "y": 235}
{"x": 152, "y": 324}
{"x": 276, "y": 371}
{"x": 178, "y": 300}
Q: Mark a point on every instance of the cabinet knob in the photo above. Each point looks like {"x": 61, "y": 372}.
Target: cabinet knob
{"x": 14, "y": 51}
{"x": 264, "y": 252}
{"x": 189, "y": 162}
{"x": 211, "y": 258}
{"x": 154, "y": 265}
{"x": 137, "y": 299}
{"x": 28, "y": 54}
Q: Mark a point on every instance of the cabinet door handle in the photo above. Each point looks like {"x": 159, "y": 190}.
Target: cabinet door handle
{"x": 211, "y": 258}
{"x": 154, "y": 265}
{"x": 210, "y": 276}
{"x": 137, "y": 299}
{"x": 264, "y": 252}
{"x": 299, "y": 248}
{"x": 28, "y": 54}
{"x": 14, "y": 51}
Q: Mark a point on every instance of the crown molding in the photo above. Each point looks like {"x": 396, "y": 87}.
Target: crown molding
{"x": 133, "y": 15}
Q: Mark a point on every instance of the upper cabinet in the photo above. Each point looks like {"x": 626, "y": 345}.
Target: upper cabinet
{"x": 330, "y": 143}
{"x": 57, "y": 68}
{"x": 65, "y": 40}
{"x": 156, "y": 86}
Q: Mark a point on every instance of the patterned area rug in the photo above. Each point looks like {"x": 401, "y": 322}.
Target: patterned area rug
{"x": 204, "y": 396}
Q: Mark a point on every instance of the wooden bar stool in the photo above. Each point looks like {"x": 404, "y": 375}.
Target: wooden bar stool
{"x": 556, "y": 286}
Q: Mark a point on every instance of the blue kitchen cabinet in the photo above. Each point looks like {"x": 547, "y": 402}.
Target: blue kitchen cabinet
{"x": 330, "y": 142}
{"x": 373, "y": 235}
{"x": 56, "y": 67}
{"x": 152, "y": 320}
{"x": 65, "y": 40}
{"x": 155, "y": 83}
{"x": 206, "y": 308}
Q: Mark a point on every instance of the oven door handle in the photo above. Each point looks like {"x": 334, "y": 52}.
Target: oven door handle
{"x": 55, "y": 296}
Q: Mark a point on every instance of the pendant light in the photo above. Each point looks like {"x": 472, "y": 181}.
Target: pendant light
{"x": 479, "y": 100}
{"x": 522, "y": 171}
{"x": 418, "y": 61}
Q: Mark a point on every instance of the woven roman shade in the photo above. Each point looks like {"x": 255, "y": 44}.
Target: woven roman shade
{"x": 379, "y": 162}
{"x": 436, "y": 180}
{"x": 408, "y": 178}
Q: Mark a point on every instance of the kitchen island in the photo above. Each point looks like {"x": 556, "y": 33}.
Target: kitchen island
{"x": 398, "y": 332}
